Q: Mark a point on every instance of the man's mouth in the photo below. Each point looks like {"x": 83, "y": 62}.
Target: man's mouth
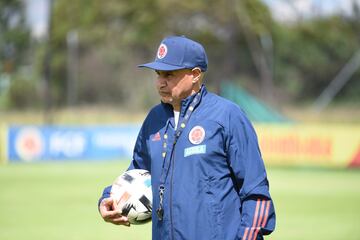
{"x": 164, "y": 94}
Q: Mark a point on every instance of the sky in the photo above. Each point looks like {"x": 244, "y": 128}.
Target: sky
{"x": 292, "y": 10}
{"x": 37, "y": 16}
{"x": 282, "y": 10}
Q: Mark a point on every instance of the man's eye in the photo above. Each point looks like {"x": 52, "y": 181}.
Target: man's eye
{"x": 169, "y": 75}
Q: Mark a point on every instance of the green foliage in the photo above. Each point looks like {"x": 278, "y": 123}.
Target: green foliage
{"x": 117, "y": 35}
{"x": 14, "y": 35}
{"x": 22, "y": 94}
{"x": 311, "y": 53}
{"x": 14, "y": 43}
{"x": 260, "y": 16}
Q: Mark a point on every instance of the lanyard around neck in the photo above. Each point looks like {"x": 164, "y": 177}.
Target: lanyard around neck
{"x": 180, "y": 128}
{"x": 166, "y": 164}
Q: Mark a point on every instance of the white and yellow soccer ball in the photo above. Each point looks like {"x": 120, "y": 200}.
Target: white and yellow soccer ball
{"x": 132, "y": 195}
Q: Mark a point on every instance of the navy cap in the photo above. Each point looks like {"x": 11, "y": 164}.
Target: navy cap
{"x": 178, "y": 52}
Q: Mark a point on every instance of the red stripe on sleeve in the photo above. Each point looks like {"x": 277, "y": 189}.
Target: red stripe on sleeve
{"x": 266, "y": 214}
{"x": 255, "y": 218}
{"x": 260, "y": 218}
{"x": 246, "y": 233}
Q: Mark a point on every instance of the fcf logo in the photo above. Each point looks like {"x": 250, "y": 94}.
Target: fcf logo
{"x": 29, "y": 144}
{"x": 162, "y": 51}
{"x": 197, "y": 135}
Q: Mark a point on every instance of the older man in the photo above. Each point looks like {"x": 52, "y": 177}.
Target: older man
{"x": 208, "y": 177}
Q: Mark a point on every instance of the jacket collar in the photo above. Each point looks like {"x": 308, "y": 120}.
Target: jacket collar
{"x": 185, "y": 103}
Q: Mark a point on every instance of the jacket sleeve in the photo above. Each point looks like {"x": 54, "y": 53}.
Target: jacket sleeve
{"x": 140, "y": 160}
{"x": 257, "y": 208}
{"x": 105, "y": 194}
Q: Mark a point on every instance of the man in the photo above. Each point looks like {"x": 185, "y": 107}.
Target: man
{"x": 208, "y": 177}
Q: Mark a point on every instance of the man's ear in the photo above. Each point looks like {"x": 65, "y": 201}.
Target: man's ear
{"x": 196, "y": 74}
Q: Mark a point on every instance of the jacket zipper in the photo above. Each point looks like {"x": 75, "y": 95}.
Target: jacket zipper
{"x": 171, "y": 189}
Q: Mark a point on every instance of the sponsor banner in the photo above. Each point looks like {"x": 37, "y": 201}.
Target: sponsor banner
{"x": 34, "y": 143}
{"x": 304, "y": 144}
{"x": 280, "y": 144}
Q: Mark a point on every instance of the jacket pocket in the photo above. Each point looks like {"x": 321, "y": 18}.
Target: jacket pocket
{"x": 215, "y": 214}
{"x": 216, "y": 222}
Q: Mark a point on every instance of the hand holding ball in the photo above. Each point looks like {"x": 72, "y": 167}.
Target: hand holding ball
{"x": 132, "y": 195}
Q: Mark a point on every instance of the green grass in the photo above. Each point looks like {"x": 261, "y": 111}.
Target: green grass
{"x": 58, "y": 201}
{"x": 316, "y": 203}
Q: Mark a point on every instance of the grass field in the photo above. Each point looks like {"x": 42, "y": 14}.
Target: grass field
{"x": 58, "y": 201}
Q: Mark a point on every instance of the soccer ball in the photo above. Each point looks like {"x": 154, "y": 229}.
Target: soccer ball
{"x": 132, "y": 195}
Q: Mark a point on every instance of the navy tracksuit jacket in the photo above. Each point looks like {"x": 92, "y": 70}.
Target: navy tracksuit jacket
{"x": 215, "y": 181}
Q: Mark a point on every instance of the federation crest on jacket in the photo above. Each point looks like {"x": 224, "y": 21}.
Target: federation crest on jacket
{"x": 197, "y": 135}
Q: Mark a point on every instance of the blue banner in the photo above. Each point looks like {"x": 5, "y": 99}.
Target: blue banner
{"x": 45, "y": 143}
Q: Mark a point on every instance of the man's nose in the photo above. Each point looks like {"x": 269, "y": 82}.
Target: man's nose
{"x": 161, "y": 81}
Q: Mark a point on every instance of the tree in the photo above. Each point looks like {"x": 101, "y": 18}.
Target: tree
{"x": 255, "y": 22}
{"x": 310, "y": 54}
{"x": 14, "y": 35}
{"x": 243, "y": 43}
{"x": 14, "y": 43}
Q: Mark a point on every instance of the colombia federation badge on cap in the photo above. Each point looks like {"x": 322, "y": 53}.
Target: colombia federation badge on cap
{"x": 162, "y": 51}
{"x": 197, "y": 135}
{"x": 178, "y": 52}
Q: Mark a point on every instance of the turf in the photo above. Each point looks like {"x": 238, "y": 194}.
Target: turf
{"x": 58, "y": 201}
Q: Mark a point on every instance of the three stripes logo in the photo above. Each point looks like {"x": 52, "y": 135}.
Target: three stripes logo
{"x": 259, "y": 221}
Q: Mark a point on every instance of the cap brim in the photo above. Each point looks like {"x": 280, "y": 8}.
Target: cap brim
{"x": 161, "y": 66}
